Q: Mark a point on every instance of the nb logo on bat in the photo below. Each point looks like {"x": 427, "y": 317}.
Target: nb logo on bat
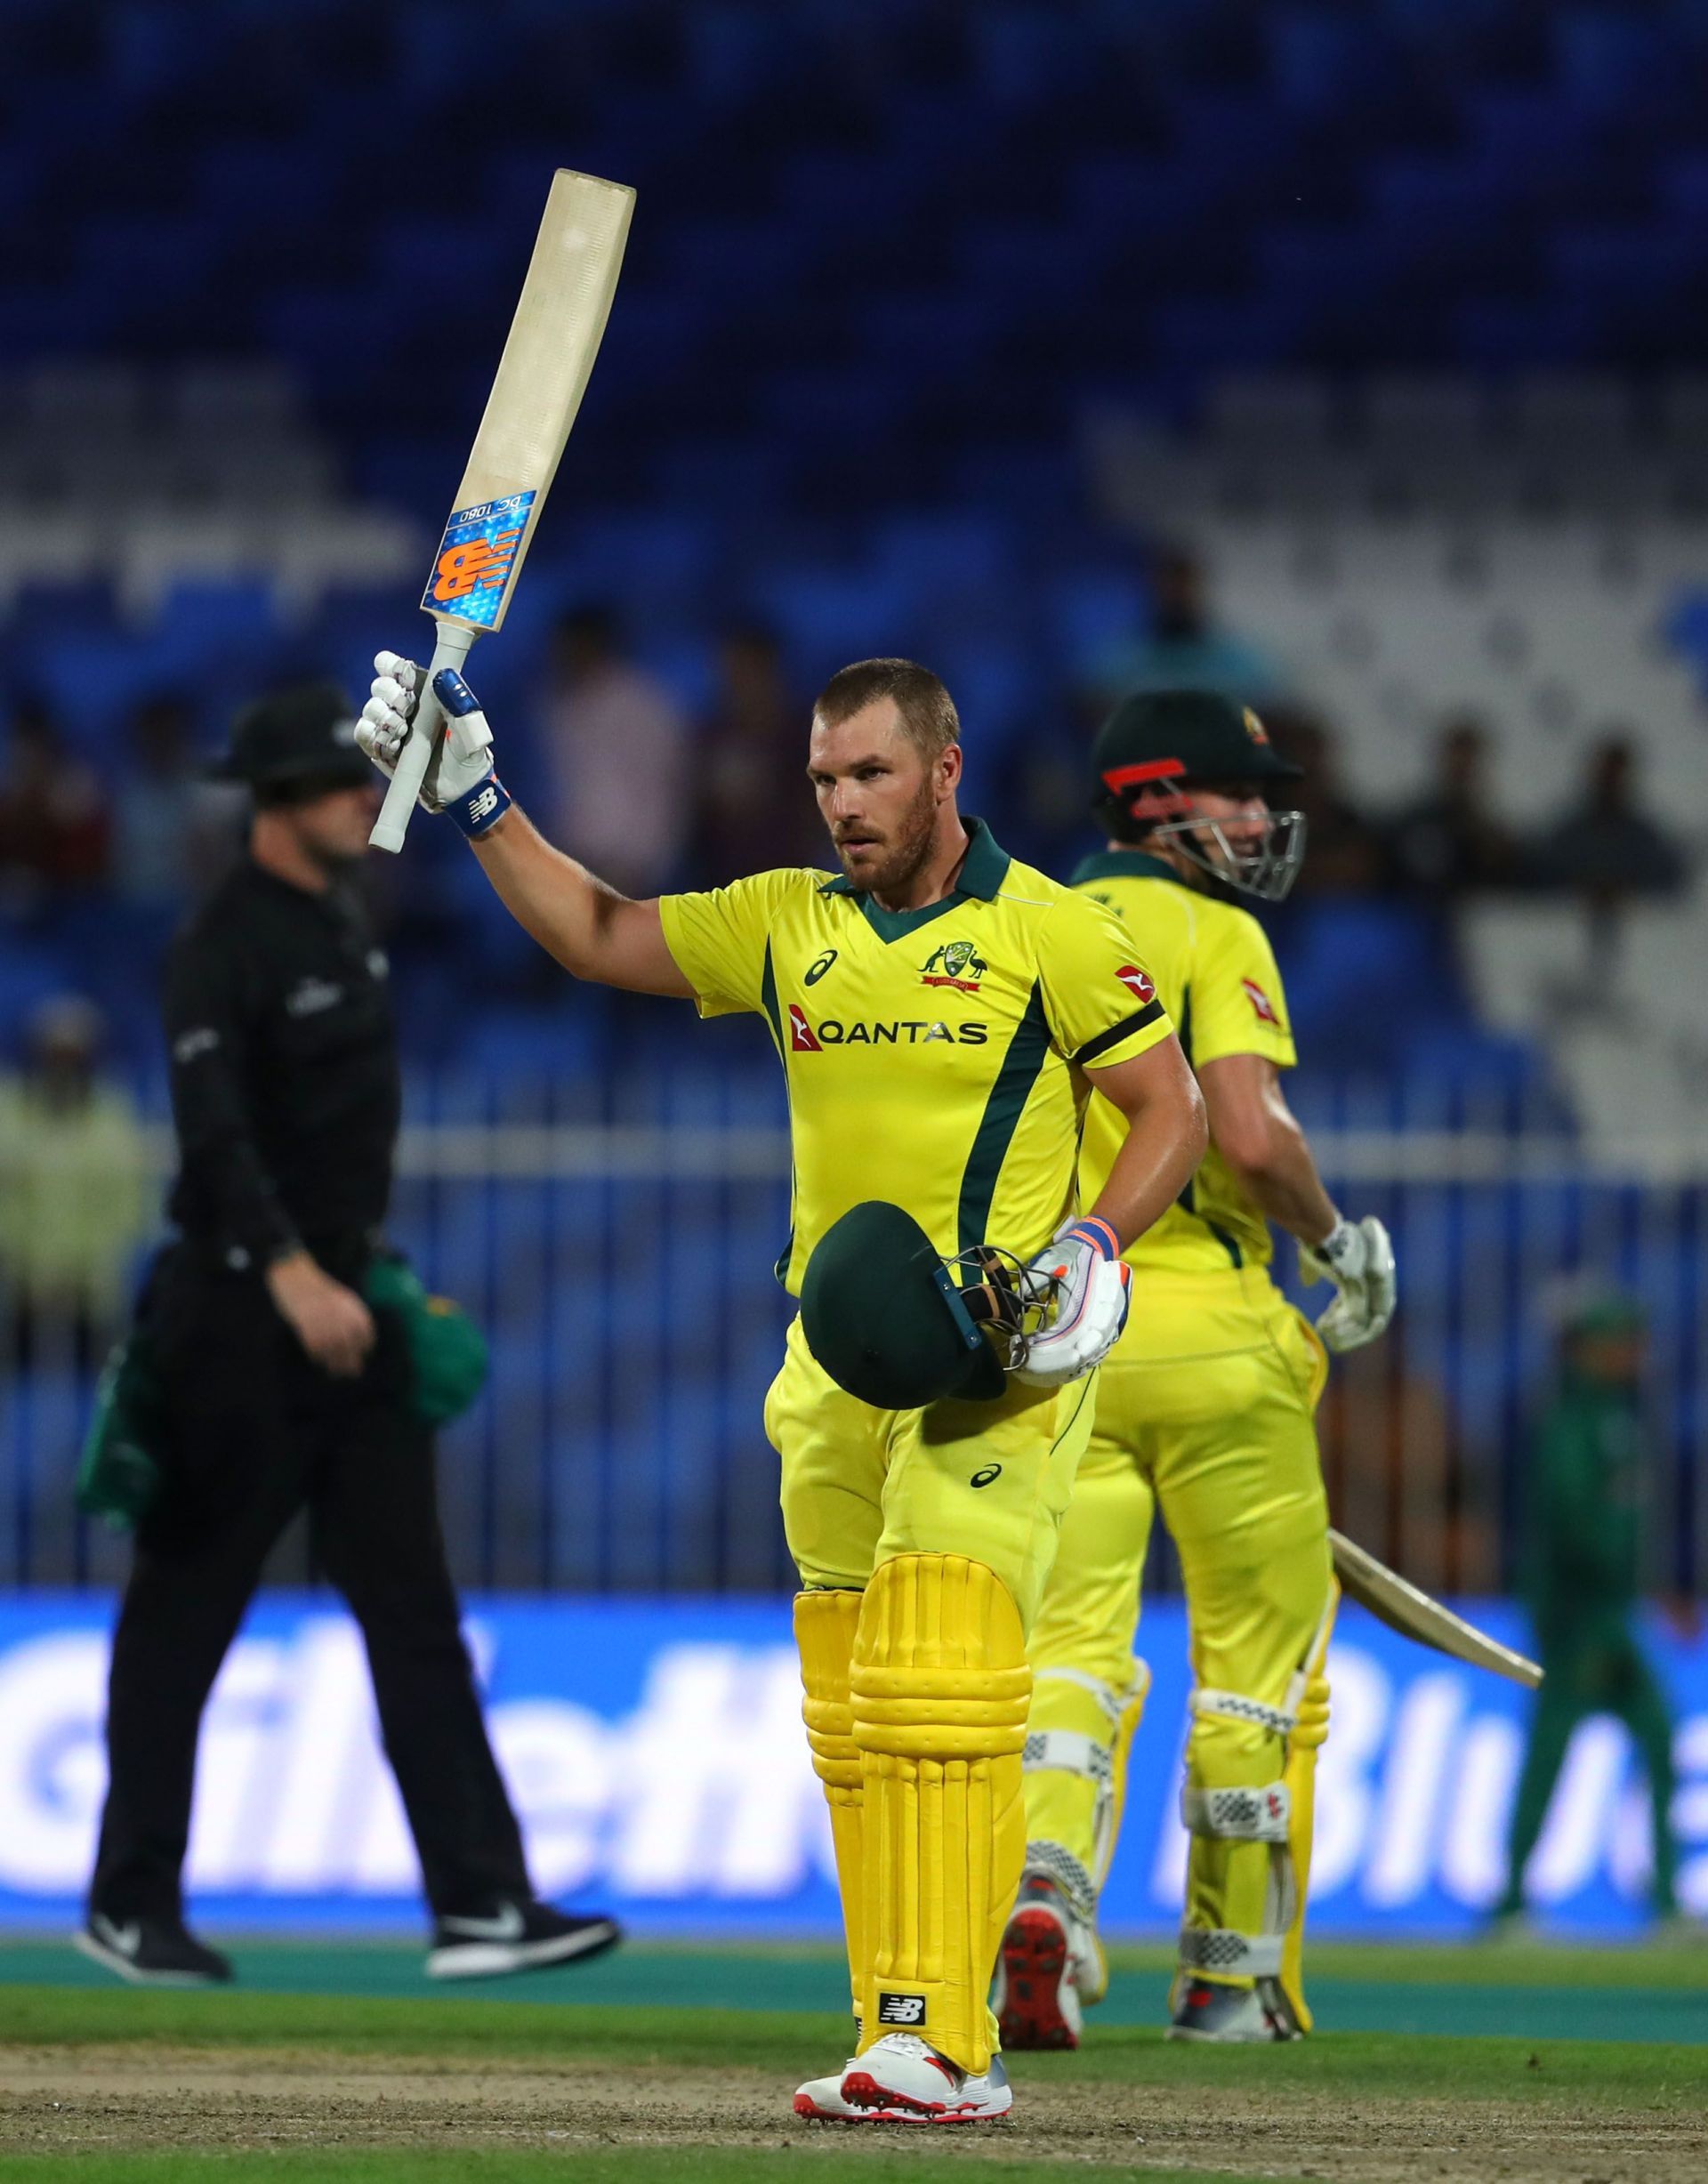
{"x": 475, "y": 565}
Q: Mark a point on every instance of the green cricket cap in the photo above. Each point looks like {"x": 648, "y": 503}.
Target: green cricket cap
{"x": 1162, "y": 735}
{"x": 883, "y": 1315}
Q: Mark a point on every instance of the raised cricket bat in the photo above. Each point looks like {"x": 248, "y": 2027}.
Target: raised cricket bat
{"x": 542, "y": 376}
{"x": 1404, "y": 1608}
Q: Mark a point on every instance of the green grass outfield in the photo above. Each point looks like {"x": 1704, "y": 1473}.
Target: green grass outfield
{"x": 1534, "y": 1991}
{"x": 635, "y": 2164}
{"x": 1562, "y": 2033}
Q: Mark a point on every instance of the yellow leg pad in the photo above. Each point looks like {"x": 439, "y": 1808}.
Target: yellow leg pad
{"x": 1069, "y": 1761}
{"x": 1227, "y": 1882}
{"x": 1126, "y": 1727}
{"x": 824, "y": 1624}
{"x": 1309, "y": 1734}
{"x": 941, "y": 1688}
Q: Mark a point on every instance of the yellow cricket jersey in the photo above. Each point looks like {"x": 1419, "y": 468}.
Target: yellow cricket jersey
{"x": 932, "y": 1056}
{"x": 1216, "y": 974}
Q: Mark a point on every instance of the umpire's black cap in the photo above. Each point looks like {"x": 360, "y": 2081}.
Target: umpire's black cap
{"x": 307, "y": 733}
{"x": 884, "y": 1316}
{"x": 1173, "y": 736}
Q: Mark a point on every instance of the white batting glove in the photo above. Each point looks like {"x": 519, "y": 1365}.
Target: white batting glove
{"x": 1358, "y": 1257}
{"x": 1086, "y": 1283}
{"x": 466, "y": 787}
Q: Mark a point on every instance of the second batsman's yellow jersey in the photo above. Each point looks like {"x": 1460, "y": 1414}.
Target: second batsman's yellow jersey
{"x": 933, "y": 1057}
{"x": 1216, "y": 975}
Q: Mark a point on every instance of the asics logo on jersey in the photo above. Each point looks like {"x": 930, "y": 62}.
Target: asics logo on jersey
{"x": 817, "y": 970}
{"x": 991, "y": 1472}
{"x": 957, "y": 964}
{"x": 1138, "y": 983}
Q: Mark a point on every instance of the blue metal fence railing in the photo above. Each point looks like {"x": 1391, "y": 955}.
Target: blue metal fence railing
{"x": 622, "y": 1266}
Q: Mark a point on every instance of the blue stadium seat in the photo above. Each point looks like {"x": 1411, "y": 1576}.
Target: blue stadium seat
{"x": 1630, "y": 64}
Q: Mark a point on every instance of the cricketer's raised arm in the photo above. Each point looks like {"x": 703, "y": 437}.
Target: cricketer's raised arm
{"x": 595, "y": 933}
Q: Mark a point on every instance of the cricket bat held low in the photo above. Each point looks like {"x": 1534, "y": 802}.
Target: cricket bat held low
{"x": 542, "y": 376}
{"x": 1404, "y": 1607}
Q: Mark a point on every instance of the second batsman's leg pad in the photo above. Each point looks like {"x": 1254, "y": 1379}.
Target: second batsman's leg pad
{"x": 940, "y": 1688}
{"x": 1261, "y": 1888}
{"x": 1240, "y": 1859}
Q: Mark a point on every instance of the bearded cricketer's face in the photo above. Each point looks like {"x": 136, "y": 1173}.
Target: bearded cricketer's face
{"x": 879, "y": 795}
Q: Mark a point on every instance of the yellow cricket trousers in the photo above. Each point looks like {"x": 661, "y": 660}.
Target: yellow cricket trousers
{"x": 925, "y": 1541}
{"x": 1205, "y": 1408}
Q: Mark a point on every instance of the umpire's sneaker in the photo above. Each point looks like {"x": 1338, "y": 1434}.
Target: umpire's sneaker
{"x": 1238, "y": 2016}
{"x": 152, "y": 1952}
{"x": 903, "y": 2079}
{"x": 515, "y": 1936}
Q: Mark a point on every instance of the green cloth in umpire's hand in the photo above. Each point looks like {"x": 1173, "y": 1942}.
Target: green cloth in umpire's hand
{"x": 118, "y": 1475}
{"x": 447, "y": 1352}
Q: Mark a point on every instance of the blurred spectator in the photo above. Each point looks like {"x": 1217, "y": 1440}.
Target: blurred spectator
{"x": 1450, "y": 841}
{"x": 55, "y": 826}
{"x": 1581, "y": 1576}
{"x": 76, "y": 1194}
{"x": 753, "y": 810}
{"x": 1184, "y": 648}
{"x": 617, "y": 743}
{"x": 174, "y": 831}
{"x": 1344, "y": 852}
{"x": 1605, "y": 846}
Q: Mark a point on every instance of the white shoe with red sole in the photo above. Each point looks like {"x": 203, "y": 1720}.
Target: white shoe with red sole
{"x": 1050, "y": 1964}
{"x": 820, "y": 2100}
{"x": 902, "y": 2079}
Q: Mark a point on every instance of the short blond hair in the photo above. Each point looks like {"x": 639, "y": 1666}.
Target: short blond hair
{"x": 926, "y": 711}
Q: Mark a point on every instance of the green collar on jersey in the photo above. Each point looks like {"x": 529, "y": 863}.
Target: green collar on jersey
{"x": 1125, "y": 865}
{"x": 983, "y": 870}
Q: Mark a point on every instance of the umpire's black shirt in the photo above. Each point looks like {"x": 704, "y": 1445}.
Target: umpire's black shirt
{"x": 285, "y": 1084}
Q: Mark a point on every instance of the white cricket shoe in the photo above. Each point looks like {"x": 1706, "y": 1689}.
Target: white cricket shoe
{"x": 1232, "y": 2016}
{"x": 1048, "y": 1967}
{"x": 902, "y": 2079}
{"x": 820, "y": 2100}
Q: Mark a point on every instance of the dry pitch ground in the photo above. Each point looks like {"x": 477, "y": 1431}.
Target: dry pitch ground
{"x": 307, "y": 2088}
{"x": 108, "y": 2100}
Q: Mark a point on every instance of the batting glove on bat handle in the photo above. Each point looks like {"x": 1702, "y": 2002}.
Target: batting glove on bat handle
{"x": 1357, "y": 1256}
{"x": 1090, "y": 1286}
{"x": 397, "y": 726}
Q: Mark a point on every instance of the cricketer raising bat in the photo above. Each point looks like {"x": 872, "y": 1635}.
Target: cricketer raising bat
{"x": 1394, "y": 1601}
{"x": 540, "y": 378}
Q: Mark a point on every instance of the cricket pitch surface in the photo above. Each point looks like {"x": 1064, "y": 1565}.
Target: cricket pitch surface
{"x": 339, "y": 2062}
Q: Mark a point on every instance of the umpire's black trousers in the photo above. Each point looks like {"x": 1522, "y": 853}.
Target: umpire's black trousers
{"x": 253, "y": 1431}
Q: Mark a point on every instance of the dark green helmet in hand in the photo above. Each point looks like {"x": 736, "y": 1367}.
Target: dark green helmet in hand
{"x": 897, "y": 1325}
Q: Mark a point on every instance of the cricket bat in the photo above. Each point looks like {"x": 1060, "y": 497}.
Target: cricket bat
{"x": 1404, "y": 1607}
{"x": 542, "y": 376}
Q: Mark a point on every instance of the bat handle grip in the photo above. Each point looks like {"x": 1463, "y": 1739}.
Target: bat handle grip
{"x": 413, "y": 760}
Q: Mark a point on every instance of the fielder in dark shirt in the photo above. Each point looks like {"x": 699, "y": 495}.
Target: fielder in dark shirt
{"x": 281, "y": 1387}
{"x": 1581, "y": 1579}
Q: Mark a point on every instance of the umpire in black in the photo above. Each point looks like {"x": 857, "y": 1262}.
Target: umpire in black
{"x": 280, "y": 1387}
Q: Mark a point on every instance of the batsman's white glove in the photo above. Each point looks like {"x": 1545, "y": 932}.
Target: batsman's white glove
{"x": 466, "y": 787}
{"x": 1086, "y": 1283}
{"x": 1359, "y": 1257}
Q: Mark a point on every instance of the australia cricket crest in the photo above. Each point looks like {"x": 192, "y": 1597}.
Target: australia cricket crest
{"x": 957, "y": 964}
